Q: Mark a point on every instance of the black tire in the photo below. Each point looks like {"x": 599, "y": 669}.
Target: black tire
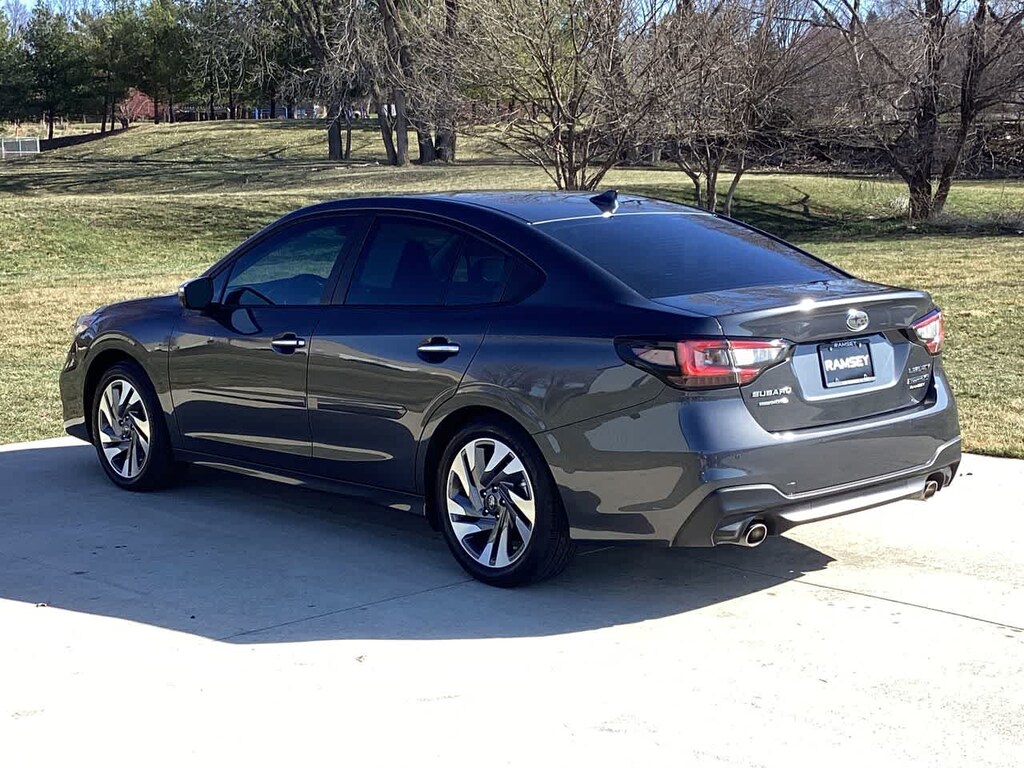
{"x": 549, "y": 548}
{"x": 158, "y": 469}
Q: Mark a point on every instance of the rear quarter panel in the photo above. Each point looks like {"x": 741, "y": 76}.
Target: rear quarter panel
{"x": 557, "y": 364}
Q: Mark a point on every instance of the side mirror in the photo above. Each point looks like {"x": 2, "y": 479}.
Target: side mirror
{"x": 197, "y": 293}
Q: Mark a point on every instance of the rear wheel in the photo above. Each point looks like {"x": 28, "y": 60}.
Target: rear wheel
{"x": 129, "y": 432}
{"x": 499, "y": 507}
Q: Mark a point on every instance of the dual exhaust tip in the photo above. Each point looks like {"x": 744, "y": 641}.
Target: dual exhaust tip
{"x": 755, "y": 532}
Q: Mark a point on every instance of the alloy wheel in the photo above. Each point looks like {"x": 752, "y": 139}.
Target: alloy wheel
{"x": 491, "y": 504}
{"x": 123, "y": 428}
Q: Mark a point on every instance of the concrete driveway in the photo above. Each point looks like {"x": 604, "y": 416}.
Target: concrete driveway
{"x": 232, "y": 622}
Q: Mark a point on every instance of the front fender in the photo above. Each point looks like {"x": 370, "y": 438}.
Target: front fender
{"x": 139, "y": 331}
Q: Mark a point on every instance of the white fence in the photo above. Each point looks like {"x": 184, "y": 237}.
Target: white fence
{"x": 18, "y": 147}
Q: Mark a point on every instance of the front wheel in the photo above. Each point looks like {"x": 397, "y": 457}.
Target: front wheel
{"x": 129, "y": 432}
{"x": 500, "y": 511}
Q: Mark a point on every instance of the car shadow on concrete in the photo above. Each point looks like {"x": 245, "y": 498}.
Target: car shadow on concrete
{"x": 246, "y": 561}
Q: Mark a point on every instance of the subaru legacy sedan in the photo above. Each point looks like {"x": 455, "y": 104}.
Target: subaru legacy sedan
{"x": 527, "y": 371}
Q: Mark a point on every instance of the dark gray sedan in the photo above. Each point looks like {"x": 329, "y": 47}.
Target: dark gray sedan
{"x": 528, "y": 370}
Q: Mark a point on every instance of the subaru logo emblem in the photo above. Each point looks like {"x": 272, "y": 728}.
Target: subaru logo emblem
{"x": 856, "y": 320}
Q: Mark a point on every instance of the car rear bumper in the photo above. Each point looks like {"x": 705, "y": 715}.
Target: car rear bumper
{"x": 681, "y": 468}
{"x": 725, "y": 514}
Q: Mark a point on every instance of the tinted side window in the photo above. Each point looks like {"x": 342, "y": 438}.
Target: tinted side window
{"x": 523, "y": 279}
{"x": 672, "y": 255}
{"x": 292, "y": 266}
{"x": 479, "y": 274}
{"x": 407, "y": 262}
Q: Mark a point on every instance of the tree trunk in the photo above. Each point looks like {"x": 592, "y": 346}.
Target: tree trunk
{"x": 156, "y": 109}
{"x": 290, "y": 110}
{"x": 273, "y": 106}
{"x": 426, "y": 145}
{"x": 444, "y": 145}
{"x": 920, "y": 189}
{"x": 926, "y": 121}
{"x": 399, "y": 52}
{"x": 741, "y": 167}
{"x": 348, "y": 135}
{"x": 103, "y": 120}
{"x": 401, "y": 129}
{"x": 386, "y": 133}
{"x": 950, "y": 166}
{"x": 49, "y": 124}
{"x": 170, "y": 108}
{"x": 444, "y": 138}
{"x": 698, "y": 190}
{"x": 334, "y": 148}
{"x": 711, "y": 193}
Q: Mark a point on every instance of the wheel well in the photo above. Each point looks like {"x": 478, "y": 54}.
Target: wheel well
{"x": 449, "y": 425}
{"x": 104, "y": 360}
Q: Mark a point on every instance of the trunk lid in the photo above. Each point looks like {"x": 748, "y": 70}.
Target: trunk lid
{"x": 853, "y": 356}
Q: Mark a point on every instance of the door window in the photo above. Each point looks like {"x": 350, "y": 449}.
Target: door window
{"x": 291, "y": 267}
{"x": 408, "y": 262}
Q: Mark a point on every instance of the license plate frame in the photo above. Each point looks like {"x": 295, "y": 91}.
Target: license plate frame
{"x": 832, "y": 355}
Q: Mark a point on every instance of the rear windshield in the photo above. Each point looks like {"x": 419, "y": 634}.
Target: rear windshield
{"x": 660, "y": 255}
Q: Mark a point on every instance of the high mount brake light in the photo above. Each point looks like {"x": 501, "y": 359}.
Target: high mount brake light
{"x": 705, "y": 363}
{"x": 931, "y": 331}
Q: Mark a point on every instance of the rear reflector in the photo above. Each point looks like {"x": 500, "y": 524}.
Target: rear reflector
{"x": 705, "y": 363}
{"x": 931, "y": 331}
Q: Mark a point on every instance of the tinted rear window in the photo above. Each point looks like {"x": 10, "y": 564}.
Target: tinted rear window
{"x": 671, "y": 255}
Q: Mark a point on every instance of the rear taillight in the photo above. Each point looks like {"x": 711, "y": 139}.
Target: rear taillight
{"x": 705, "y": 363}
{"x": 931, "y": 331}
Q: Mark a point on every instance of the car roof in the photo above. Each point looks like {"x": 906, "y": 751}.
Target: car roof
{"x": 525, "y": 207}
{"x": 541, "y": 207}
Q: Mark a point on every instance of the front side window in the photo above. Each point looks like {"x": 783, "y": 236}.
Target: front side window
{"x": 291, "y": 267}
{"x": 407, "y": 262}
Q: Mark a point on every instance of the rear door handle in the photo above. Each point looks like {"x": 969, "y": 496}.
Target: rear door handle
{"x": 287, "y": 343}
{"x": 438, "y": 348}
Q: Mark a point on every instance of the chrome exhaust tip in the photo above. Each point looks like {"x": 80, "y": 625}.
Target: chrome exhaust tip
{"x": 755, "y": 535}
{"x": 931, "y": 487}
{"x": 742, "y": 533}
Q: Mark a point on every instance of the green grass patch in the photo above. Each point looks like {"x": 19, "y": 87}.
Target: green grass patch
{"x": 137, "y": 213}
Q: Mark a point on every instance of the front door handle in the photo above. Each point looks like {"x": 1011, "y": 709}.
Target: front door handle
{"x": 287, "y": 343}
{"x": 438, "y": 348}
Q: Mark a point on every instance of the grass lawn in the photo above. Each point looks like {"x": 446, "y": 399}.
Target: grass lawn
{"x": 138, "y": 213}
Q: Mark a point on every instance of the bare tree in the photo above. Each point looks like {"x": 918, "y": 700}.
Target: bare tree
{"x": 17, "y": 14}
{"x": 732, "y": 78}
{"x": 432, "y": 75}
{"x": 222, "y": 33}
{"x": 338, "y": 39}
{"x": 921, "y": 72}
{"x": 568, "y": 82}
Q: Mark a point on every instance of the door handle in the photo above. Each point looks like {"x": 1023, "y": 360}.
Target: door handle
{"x": 287, "y": 344}
{"x": 438, "y": 347}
